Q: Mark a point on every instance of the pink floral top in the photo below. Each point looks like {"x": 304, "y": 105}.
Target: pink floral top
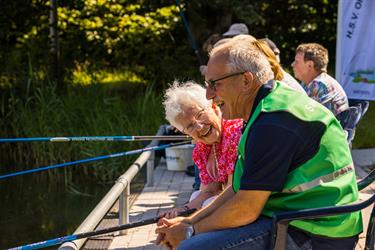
{"x": 226, "y": 153}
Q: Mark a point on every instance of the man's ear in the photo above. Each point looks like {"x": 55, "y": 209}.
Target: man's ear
{"x": 310, "y": 64}
{"x": 248, "y": 82}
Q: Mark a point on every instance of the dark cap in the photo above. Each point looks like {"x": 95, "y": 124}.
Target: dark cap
{"x": 271, "y": 44}
{"x": 236, "y": 29}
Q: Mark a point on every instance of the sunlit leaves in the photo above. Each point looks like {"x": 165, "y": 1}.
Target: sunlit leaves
{"x": 116, "y": 24}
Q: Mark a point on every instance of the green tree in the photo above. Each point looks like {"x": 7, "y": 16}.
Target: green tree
{"x": 149, "y": 36}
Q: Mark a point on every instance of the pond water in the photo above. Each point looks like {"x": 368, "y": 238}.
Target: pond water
{"x": 34, "y": 209}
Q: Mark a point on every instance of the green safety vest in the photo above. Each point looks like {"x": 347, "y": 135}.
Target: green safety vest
{"x": 327, "y": 179}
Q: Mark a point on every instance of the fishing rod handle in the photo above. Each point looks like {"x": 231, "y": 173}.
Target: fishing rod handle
{"x": 187, "y": 212}
{"x": 130, "y": 225}
{"x": 151, "y": 221}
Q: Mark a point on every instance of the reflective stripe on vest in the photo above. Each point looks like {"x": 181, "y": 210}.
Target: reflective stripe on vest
{"x": 318, "y": 181}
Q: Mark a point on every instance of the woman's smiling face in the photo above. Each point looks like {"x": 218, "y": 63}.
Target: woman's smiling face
{"x": 204, "y": 125}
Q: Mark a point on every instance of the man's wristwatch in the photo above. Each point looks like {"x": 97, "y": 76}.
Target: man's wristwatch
{"x": 189, "y": 232}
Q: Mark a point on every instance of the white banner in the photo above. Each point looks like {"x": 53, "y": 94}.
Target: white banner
{"x": 355, "y": 53}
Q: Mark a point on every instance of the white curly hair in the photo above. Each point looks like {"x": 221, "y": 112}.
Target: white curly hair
{"x": 181, "y": 95}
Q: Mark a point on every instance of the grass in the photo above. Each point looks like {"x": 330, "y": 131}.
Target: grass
{"x": 365, "y": 132}
{"x": 82, "y": 76}
{"x": 92, "y": 110}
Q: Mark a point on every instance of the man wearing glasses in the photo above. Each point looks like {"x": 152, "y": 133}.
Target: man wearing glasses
{"x": 292, "y": 155}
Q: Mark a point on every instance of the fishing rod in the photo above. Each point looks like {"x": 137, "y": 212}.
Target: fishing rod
{"x": 60, "y": 240}
{"x": 97, "y": 158}
{"x": 190, "y": 35}
{"x": 98, "y": 138}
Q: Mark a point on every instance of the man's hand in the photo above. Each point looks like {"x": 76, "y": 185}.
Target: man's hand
{"x": 171, "y": 232}
{"x": 169, "y": 214}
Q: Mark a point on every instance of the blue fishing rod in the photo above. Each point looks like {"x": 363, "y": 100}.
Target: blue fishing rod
{"x": 97, "y": 158}
{"x": 190, "y": 35}
{"x": 97, "y": 138}
{"x": 60, "y": 240}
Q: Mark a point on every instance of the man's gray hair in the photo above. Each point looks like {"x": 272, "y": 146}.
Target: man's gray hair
{"x": 243, "y": 55}
{"x": 248, "y": 38}
{"x": 180, "y": 96}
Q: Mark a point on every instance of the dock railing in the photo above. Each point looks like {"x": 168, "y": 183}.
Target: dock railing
{"x": 120, "y": 191}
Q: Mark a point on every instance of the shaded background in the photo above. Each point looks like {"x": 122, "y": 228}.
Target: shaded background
{"x": 113, "y": 60}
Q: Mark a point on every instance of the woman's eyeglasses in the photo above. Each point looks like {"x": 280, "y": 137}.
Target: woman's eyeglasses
{"x": 199, "y": 116}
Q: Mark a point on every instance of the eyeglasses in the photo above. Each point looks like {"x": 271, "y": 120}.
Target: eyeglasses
{"x": 212, "y": 83}
{"x": 199, "y": 116}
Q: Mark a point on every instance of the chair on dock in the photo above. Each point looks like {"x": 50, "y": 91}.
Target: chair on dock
{"x": 363, "y": 105}
{"x": 279, "y": 231}
{"x": 350, "y": 118}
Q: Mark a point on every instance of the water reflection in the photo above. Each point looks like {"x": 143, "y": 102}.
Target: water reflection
{"x": 34, "y": 208}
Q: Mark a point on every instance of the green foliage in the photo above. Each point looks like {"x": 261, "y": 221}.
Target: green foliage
{"x": 365, "y": 134}
{"x": 83, "y": 76}
{"x": 149, "y": 34}
{"x": 16, "y": 20}
{"x": 287, "y": 22}
{"x": 290, "y": 23}
{"x": 92, "y": 110}
{"x": 97, "y": 33}
{"x": 114, "y": 30}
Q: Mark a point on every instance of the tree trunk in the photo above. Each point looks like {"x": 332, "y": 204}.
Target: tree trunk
{"x": 54, "y": 46}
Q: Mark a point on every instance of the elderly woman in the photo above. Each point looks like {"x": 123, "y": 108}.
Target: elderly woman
{"x": 188, "y": 110}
